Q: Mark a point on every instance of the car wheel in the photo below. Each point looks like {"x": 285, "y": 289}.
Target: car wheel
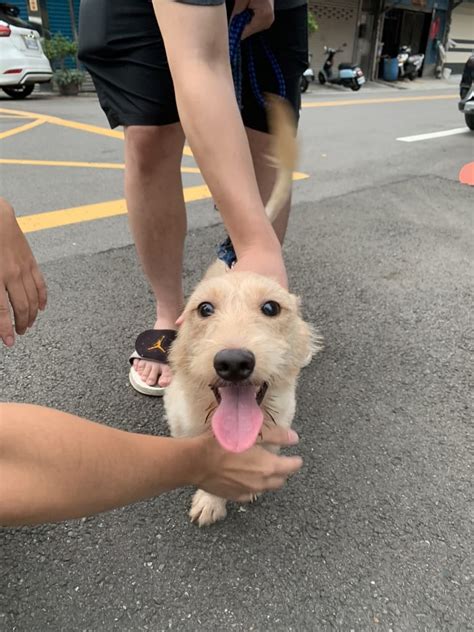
{"x": 19, "y": 92}
{"x": 469, "y": 118}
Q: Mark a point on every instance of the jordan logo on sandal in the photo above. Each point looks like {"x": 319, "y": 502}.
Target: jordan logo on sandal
{"x": 157, "y": 346}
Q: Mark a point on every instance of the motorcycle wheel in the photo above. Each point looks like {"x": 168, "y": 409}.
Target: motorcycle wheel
{"x": 19, "y": 92}
{"x": 355, "y": 86}
{"x": 304, "y": 83}
{"x": 321, "y": 78}
{"x": 469, "y": 118}
{"x": 412, "y": 76}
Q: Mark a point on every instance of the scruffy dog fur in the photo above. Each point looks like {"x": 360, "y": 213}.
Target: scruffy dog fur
{"x": 253, "y": 315}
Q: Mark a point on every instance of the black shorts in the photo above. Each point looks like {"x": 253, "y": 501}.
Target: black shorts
{"x": 121, "y": 46}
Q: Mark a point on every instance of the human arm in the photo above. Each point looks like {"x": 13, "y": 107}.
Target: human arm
{"x": 21, "y": 282}
{"x": 56, "y": 466}
{"x": 198, "y": 54}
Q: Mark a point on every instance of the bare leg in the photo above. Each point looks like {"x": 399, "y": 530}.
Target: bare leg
{"x": 157, "y": 216}
{"x": 260, "y": 148}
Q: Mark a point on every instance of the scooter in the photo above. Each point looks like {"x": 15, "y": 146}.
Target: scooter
{"x": 409, "y": 65}
{"x": 307, "y": 77}
{"x": 348, "y": 75}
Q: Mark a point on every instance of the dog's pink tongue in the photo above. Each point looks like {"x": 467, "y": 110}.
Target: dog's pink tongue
{"x": 238, "y": 418}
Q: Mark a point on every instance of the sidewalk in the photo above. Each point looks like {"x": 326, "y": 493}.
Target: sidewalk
{"x": 428, "y": 83}
{"x": 378, "y": 85}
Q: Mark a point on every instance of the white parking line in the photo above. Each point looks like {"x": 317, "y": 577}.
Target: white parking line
{"x": 448, "y": 132}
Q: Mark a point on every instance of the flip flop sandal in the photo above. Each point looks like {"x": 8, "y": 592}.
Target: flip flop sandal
{"x": 154, "y": 345}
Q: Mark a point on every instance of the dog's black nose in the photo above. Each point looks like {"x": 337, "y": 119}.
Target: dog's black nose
{"x": 234, "y": 365}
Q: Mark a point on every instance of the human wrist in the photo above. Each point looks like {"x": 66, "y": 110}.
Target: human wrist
{"x": 261, "y": 238}
{"x": 200, "y": 459}
{"x": 193, "y": 459}
{"x": 6, "y": 210}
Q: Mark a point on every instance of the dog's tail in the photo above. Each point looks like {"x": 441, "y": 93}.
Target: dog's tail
{"x": 282, "y": 125}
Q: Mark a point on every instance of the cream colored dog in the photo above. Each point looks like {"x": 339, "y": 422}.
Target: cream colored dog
{"x": 240, "y": 348}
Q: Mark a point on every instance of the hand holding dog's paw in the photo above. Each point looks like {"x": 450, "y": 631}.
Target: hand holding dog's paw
{"x": 240, "y": 476}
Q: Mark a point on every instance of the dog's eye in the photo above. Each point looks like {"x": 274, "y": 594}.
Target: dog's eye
{"x": 271, "y": 308}
{"x": 205, "y": 309}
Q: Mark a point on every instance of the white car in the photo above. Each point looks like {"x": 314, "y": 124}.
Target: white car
{"x": 22, "y": 60}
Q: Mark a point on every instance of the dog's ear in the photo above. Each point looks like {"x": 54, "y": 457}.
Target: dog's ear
{"x": 315, "y": 340}
{"x": 296, "y": 300}
{"x": 309, "y": 341}
{"x": 183, "y": 316}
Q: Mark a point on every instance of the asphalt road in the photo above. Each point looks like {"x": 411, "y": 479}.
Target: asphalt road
{"x": 375, "y": 533}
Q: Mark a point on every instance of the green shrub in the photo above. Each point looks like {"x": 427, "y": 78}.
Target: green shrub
{"x": 65, "y": 77}
{"x": 312, "y": 24}
{"x": 57, "y": 50}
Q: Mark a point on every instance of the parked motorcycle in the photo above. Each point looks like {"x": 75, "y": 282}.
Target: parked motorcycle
{"x": 307, "y": 77}
{"x": 409, "y": 65}
{"x": 348, "y": 75}
{"x": 466, "y": 92}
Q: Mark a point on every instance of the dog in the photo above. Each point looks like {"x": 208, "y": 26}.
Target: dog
{"x": 241, "y": 345}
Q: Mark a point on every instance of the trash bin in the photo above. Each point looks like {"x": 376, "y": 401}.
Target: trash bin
{"x": 390, "y": 69}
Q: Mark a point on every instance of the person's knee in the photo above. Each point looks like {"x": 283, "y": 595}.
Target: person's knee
{"x": 149, "y": 149}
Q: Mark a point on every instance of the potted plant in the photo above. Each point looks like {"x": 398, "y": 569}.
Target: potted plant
{"x": 62, "y": 53}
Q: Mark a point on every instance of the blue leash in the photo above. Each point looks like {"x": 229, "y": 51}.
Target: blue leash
{"x": 226, "y": 252}
{"x": 236, "y": 46}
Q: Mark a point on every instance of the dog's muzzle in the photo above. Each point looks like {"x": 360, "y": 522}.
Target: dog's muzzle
{"x": 238, "y": 418}
{"x": 234, "y": 365}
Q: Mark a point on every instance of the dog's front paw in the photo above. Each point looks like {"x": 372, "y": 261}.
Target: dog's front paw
{"x": 207, "y": 509}
{"x": 254, "y": 497}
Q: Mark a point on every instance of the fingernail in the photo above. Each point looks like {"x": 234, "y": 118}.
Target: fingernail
{"x": 9, "y": 341}
{"x": 293, "y": 437}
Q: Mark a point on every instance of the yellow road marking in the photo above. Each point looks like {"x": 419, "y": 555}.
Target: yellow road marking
{"x": 21, "y": 128}
{"x": 61, "y": 163}
{"x": 12, "y": 116}
{"x": 63, "y": 217}
{"x": 71, "y": 163}
{"x": 102, "y": 210}
{"x": 99, "y": 165}
{"x": 20, "y": 113}
{"x": 103, "y": 131}
{"x": 88, "y": 212}
{"x": 84, "y": 127}
{"x": 56, "y": 120}
{"x": 343, "y": 102}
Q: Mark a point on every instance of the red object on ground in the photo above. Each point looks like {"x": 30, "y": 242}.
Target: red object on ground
{"x": 466, "y": 175}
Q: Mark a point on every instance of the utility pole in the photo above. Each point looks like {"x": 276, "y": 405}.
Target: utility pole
{"x": 376, "y": 34}
{"x": 72, "y": 16}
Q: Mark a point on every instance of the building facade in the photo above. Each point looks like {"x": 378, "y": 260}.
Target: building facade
{"x": 462, "y": 33}
{"x": 56, "y": 16}
{"x": 370, "y": 29}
